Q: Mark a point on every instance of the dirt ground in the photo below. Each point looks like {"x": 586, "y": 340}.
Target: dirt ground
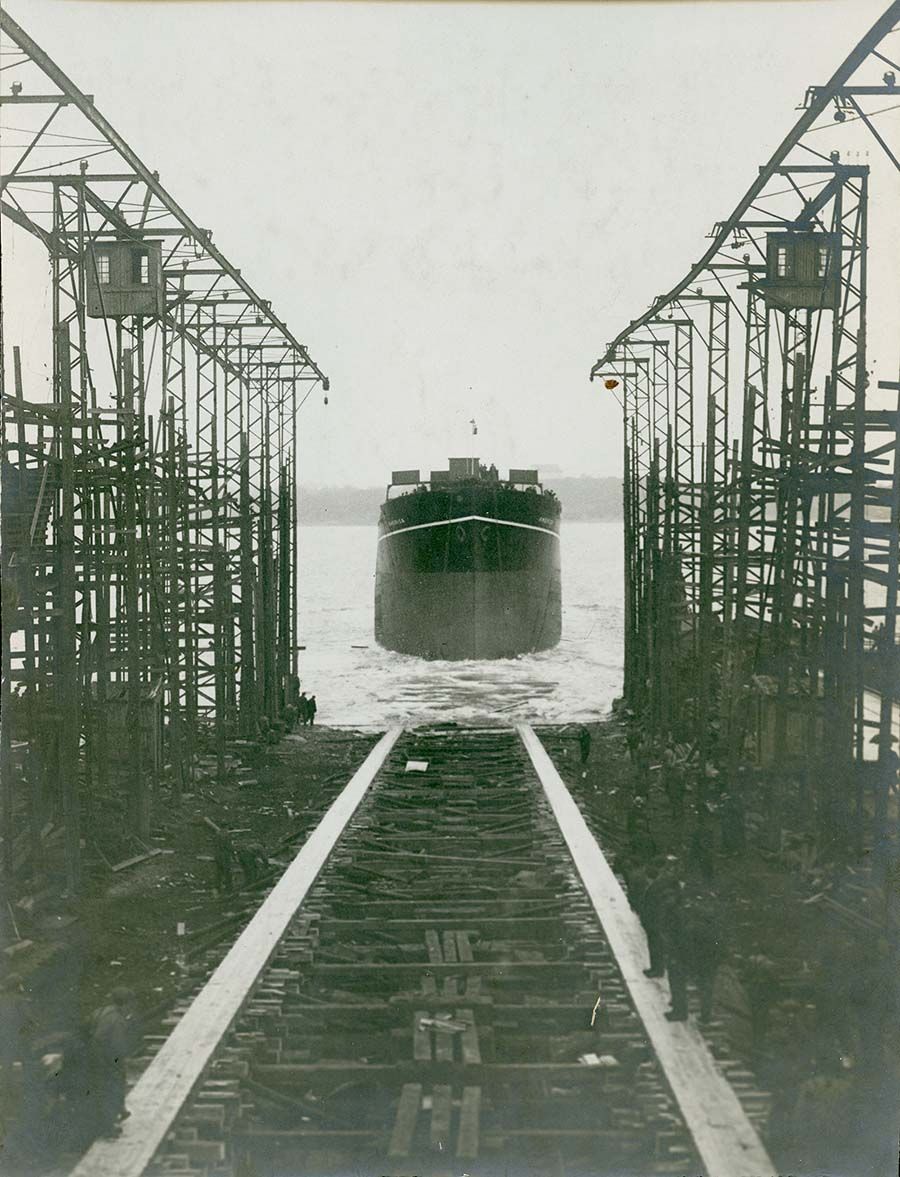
{"x": 158, "y": 924}
{"x": 807, "y": 992}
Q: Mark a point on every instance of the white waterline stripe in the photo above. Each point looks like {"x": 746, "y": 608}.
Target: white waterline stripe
{"x": 467, "y": 519}
{"x": 160, "y": 1093}
{"x": 723, "y": 1135}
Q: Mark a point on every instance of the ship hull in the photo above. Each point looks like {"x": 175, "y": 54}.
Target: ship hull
{"x": 468, "y": 586}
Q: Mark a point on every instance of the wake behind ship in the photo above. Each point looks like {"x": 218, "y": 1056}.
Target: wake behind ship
{"x": 468, "y": 564}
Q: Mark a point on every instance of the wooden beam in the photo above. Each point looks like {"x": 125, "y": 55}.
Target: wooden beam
{"x": 469, "y": 1116}
{"x": 172, "y": 1075}
{"x": 405, "y": 1123}
{"x": 723, "y": 1135}
{"x": 441, "y": 1112}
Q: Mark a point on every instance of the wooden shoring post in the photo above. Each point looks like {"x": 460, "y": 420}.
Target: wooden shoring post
{"x": 730, "y": 657}
{"x": 220, "y": 606}
{"x": 711, "y": 492}
{"x": 267, "y": 584}
{"x": 137, "y": 794}
{"x": 247, "y": 700}
{"x": 220, "y": 654}
{"x": 628, "y": 677}
{"x": 285, "y": 562}
{"x": 295, "y": 537}
{"x": 65, "y": 686}
{"x": 188, "y": 505}
{"x": 639, "y": 559}
{"x": 645, "y": 516}
{"x": 889, "y": 661}
{"x": 683, "y": 521}
{"x": 9, "y": 603}
{"x": 836, "y": 731}
{"x": 655, "y": 686}
{"x": 102, "y": 518}
{"x": 794, "y": 398}
{"x": 151, "y": 506}
{"x": 174, "y": 618}
{"x": 24, "y": 561}
{"x": 667, "y": 611}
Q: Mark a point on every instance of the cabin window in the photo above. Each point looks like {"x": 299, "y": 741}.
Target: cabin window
{"x": 140, "y": 267}
{"x": 782, "y": 269}
{"x": 103, "y": 269}
{"x": 822, "y": 261}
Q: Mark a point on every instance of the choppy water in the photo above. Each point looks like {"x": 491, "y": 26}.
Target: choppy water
{"x": 356, "y": 682}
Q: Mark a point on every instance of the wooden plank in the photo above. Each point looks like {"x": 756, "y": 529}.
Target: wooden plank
{"x": 473, "y": 987}
{"x": 441, "y": 1111}
{"x": 723, "y": 1135}
{"x": 405, "y": 1123}
{"x": 289, "y": 1073}
{"x": 175, "y": 1070}
{"x": 469, "y": 1116}
{"x": 450, "y": 988}
{"x": 421, "y": 1038}
{"x": 471, "y": 1051}
{"x": 137, "y": 858}
{"x": 450, "y": 946}
{"x": 564, "y": 970}
{"x": 429, "y": 986}
{"x": 443, "y": 1046}
{"x": 464, "y": 948}
{"x": 433, "y": 944}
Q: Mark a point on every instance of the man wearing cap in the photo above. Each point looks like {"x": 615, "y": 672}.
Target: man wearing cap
{"x": 114, "y": 1036}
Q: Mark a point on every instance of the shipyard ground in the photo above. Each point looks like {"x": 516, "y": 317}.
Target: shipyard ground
{"x": 123, "y": 929}
{"x": 807, "y": 994}
{"x": 789, "y": 1013}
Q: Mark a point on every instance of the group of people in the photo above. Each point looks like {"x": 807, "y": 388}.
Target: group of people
{"x": 674, "y": 899}
{"x": 67, "y": 1086}
{"x": 250, "y": 857}
{"x": 306, "y": 709}
{"x": 684, "y": 929}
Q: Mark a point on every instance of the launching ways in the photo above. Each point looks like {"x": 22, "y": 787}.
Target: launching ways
{"x": 422, "y": 985}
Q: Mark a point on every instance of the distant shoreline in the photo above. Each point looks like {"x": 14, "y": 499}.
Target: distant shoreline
{"x": 584, "y": 500}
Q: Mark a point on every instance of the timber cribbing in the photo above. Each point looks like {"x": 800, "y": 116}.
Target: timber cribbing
{"x": 449, "y": 981}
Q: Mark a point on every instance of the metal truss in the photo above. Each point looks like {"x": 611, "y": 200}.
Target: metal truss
{"x": 149, "y": 552}
{"x": 759, "y": 474}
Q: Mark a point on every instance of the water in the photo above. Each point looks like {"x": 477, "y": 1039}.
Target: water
{"x": 358, "y": 683}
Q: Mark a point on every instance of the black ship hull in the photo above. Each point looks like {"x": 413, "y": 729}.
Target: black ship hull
{"x": 473, "y": 573}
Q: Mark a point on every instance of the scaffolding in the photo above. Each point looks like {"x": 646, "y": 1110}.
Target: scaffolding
{"x": 149, "y": 557}
{"x": 762, "y": 472}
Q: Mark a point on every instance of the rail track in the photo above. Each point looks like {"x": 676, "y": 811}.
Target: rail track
{"x": 447, "y": 980}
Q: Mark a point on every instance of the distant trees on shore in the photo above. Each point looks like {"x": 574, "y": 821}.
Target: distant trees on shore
{"x": 583, "y": 499}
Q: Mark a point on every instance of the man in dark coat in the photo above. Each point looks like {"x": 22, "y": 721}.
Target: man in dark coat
{"x": 584, "y": 744}
{"x": 312, "y": 709}
{"x": 223, "y": 856}
{"x": 677, "y": 951}
{"x": 113, "y": 1038}
{"x": 653, "y": 906}
{"x": 705, "y": 947}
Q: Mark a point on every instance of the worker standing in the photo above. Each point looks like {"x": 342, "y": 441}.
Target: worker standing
{"x": 584, "y": 744}
{"x": 677, "y": 951}
{"x": 113, "y": 1038}
{"x": 223, "y": 856}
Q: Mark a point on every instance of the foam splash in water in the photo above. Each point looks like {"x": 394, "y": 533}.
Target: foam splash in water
{"x": 368, "y": 686}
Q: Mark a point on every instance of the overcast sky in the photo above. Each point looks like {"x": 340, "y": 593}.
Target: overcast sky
{"x": 454, "y": 207}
